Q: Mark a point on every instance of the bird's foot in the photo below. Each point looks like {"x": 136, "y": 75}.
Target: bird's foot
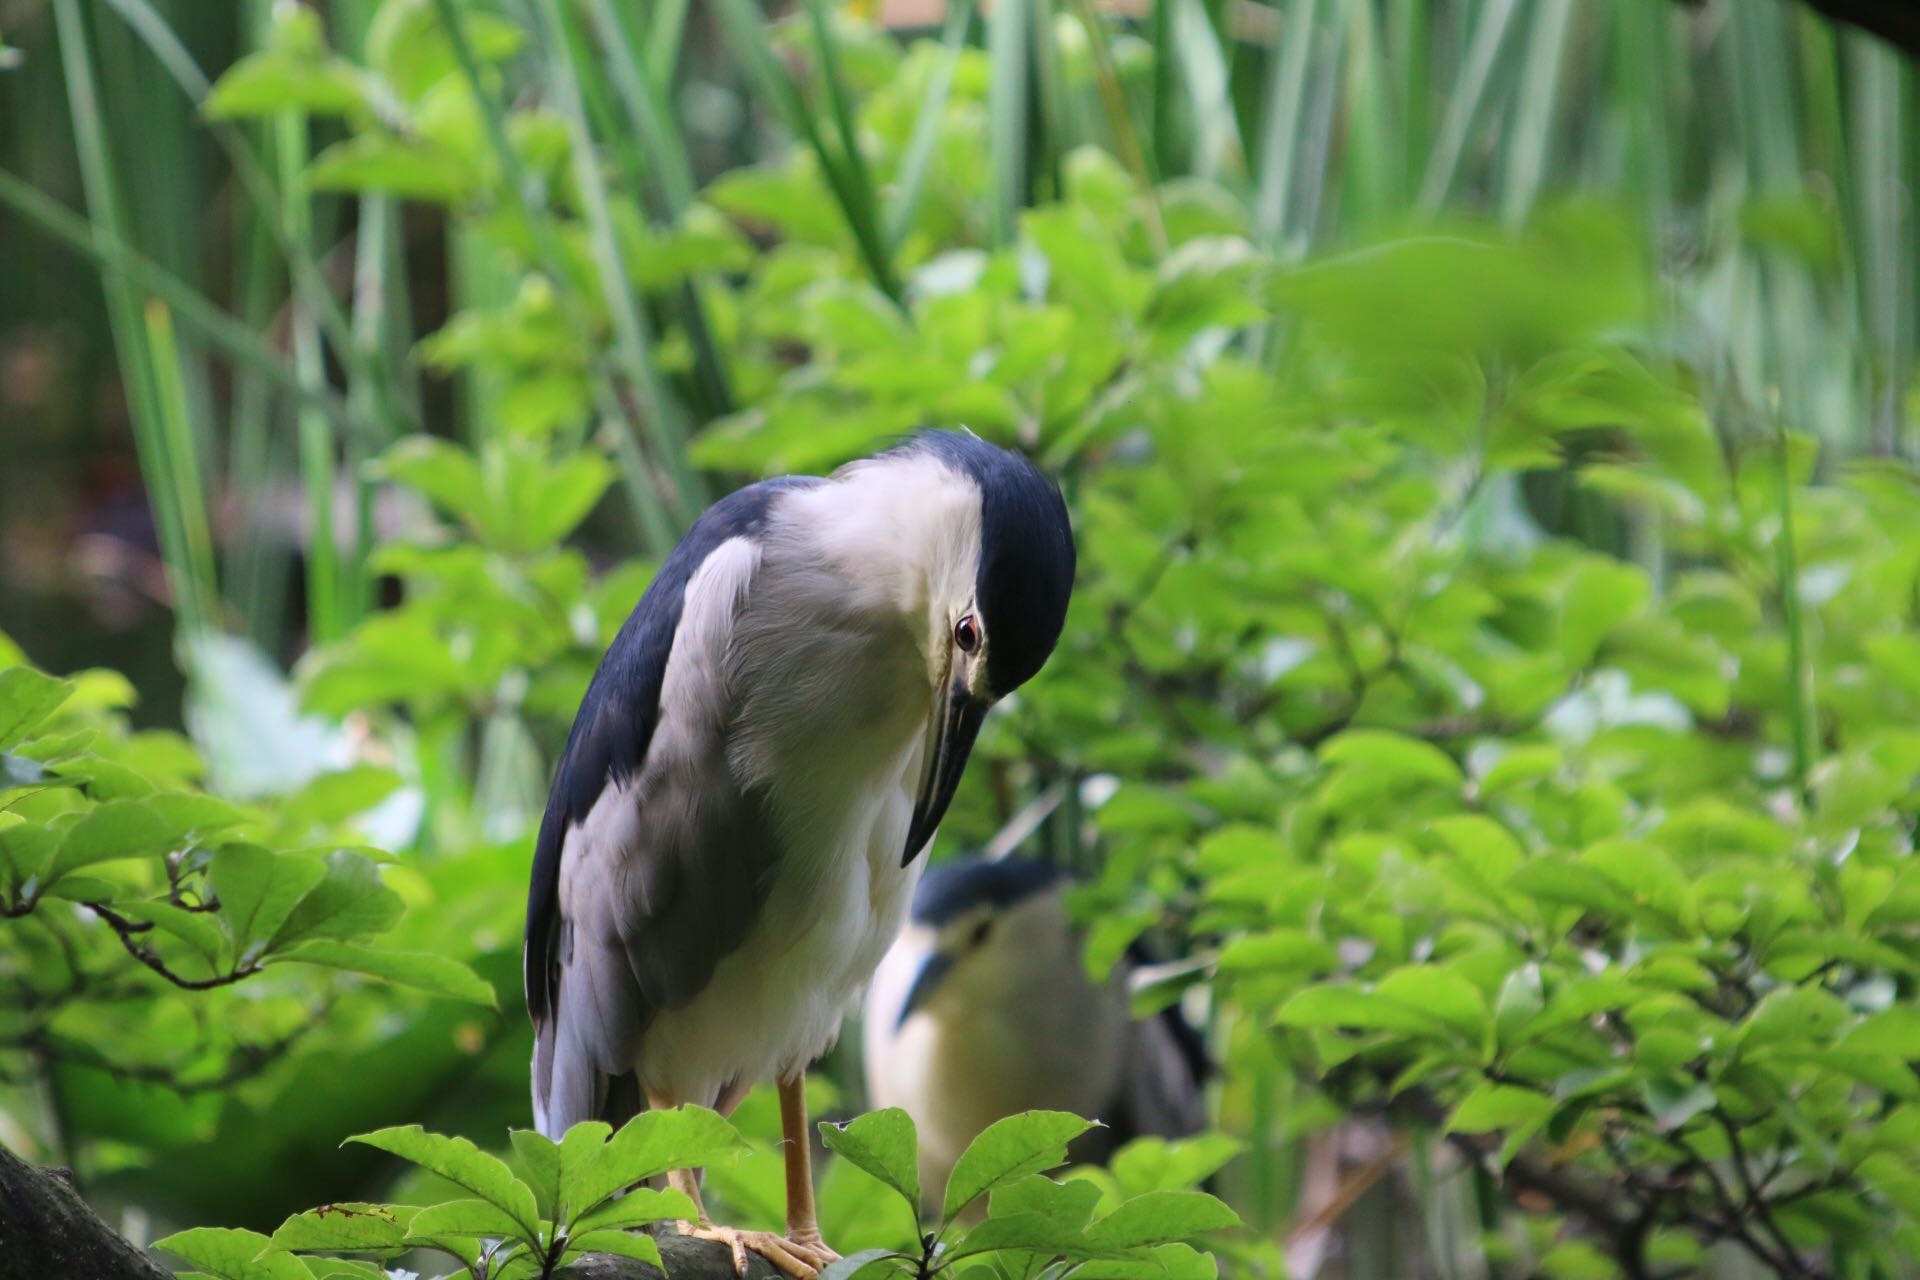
{"x": 803, "y": 1257}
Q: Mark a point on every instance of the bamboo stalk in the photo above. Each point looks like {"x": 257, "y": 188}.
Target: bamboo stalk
{"x": 196, "y": 588}
{"x": 303, "y": 267}
{"x": 1286, "y": 92}
{"x": 911, "y": 181}
{"x": 1884, "y": 236}
{"x": 659, "y": 415}
{"x": 1006, "y": 113}
{"x": 639, "y": 95}
{"x": 864, "y": 207}
{"x": 743, "y": 24}
{"x": 616, "y": 32}
{"x": 1120, "y": 120}
{"x": 131, "y": 338}
{"x": 1534, "y": 114}
{"x": 1469, "y": 93}
{"x": 629, "y": 319}
{"x": 99, "y": 243}
{"x": 326, "y": 614}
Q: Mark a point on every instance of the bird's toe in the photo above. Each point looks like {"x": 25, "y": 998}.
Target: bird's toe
{"x": 810, "y": 1246}
{"x": 797, "y": 1259}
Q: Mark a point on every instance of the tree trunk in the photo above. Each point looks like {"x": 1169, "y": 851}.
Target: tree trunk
{"x": 47, "y": 1232}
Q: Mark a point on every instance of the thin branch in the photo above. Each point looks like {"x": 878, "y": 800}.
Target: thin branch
{"x": 128, "y": 932}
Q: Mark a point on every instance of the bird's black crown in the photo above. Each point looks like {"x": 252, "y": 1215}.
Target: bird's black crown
{"x": 1026, "y": 553}
{"x": 949, "y": 889}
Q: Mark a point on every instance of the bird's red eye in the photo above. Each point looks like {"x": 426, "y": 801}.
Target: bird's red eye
{"x": 966, "y": 634}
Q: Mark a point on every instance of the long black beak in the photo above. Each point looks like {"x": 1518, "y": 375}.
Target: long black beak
{"x": 959, "y": 726}
{"x": 933, "y": 970}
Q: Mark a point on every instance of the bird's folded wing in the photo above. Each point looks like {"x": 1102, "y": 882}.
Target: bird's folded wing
{"x": 1165, "y": 1081}
{"x": 651, "y": 862}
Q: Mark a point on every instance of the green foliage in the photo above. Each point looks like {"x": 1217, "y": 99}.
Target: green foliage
{"x": 582, "y": 1195}
{"x": 1032, "y": 1221}
{"x": 577, "y": 1196}
{"x": 1476, "y": 666}
{"x": 124, "y": 886}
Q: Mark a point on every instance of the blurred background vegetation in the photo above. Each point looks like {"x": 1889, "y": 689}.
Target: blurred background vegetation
{"x": 1513, "y": 400}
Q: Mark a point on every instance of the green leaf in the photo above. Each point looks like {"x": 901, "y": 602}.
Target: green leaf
{"x": 445, "y": 473}
{"x": 27, "y": 697}
{"x": 1896, "y": 1033}
{"x": 1665, "y": 1050}
{"x": 1577, "y": 1260}
{"x": 267, "y": 83}
{"x": 422, "y": 971}
{"x": 1439, "y": 992}
{"x": 1571, "y": 884}
{"x": 1276, "y": 951}
{"x": 1007, "y": 1149}
{"x": 1392, "y": 754}
{"x": 650, "y": 1144}
{"x": 856, "y": 1264}
{"x": 233, "y": 1255}
{"x": 539, "y": 1158}
{"x": 1025, "y": 1231}
{"x": 547, "y": 508}
{"x": 123, "y": 829}
{"x": 1482, "y": 844}
{"x": 112, "y": 831}
{"x": 410, "y": 168}
{"x": 348, "y": 1228}
{"x": 619, "y": 1243}
{"x": 1332, "y": 1006}
{"x": 25, "y": 850}
{"x": 1806, "y": 1016}
{"x": 1600, "y": 595}
{"x": 339, "y": 795}
{"x": 344, "y": 1269}
{"x": 1161, "y": 1217}
{"x": 1156, "y": 1164}
{"x": 350, "y": 901}
{"x": 1500, "y": 1106}
{"x": 577, "y": 1151}
{"x": 1673, "y": 1102}
{"x": 258, "y": 889}
{"x": 1070, "y": 1203}
{"x": 473, "y": 1218}
{"x": 1158, "y": 1262}
{"x": 638, "y": 1208}
{"x": 82, "y": 889}
{"x": 458, "y": 1160}
{"x": 1522, "y": 997}
{"x": 884, "y": 1144}
{"x": 102, "y": 779}
{"x": 195, "y": 928}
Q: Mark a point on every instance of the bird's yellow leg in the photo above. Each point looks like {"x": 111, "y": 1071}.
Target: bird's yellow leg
{"x": 803, "y": 1227}
{"x": 800, "y": 1253}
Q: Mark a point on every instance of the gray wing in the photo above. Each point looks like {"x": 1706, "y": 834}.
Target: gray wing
{"x": 1163, "y": 1092}
{"x": 651, "y": 863}
{"x": 1163, "y": 1088}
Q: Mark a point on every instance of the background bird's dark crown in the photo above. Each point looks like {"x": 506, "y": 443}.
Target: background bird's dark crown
{"x": 949, "y": 889}
{"x": 1026, "y": 553}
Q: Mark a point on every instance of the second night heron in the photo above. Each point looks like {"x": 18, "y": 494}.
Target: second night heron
{"x": 732, "y": 837}
{"x": 983, "y": 1008}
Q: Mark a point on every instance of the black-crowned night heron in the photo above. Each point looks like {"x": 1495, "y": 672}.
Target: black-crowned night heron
{"x": 983, "y": 1008}
{"x": 730, "y": 844}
